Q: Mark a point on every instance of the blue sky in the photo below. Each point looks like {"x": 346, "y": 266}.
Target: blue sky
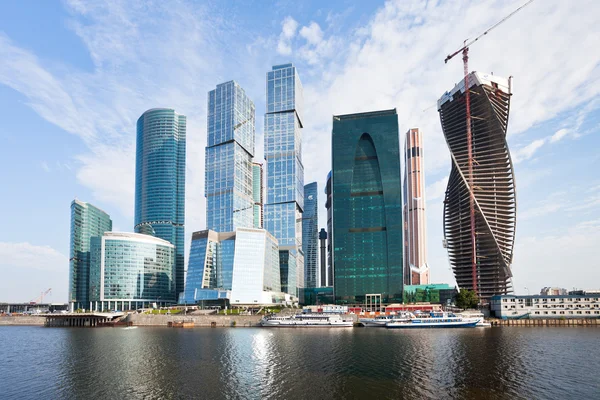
{"x": 76, "y": 75}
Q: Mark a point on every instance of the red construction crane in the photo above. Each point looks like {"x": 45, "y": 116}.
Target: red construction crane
{"x": 40, "y": 299}
{"x": 465, "y": 52}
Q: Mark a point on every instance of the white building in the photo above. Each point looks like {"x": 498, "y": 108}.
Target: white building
{"x": 536, "y": 306}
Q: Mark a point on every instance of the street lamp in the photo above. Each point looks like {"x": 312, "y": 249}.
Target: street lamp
{"x": 526, "y": 288}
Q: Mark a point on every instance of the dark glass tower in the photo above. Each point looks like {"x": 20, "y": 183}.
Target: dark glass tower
{"x": 160, "y": 181}
{"x": 310, "y": 235}
{"x": 367, "y": 207}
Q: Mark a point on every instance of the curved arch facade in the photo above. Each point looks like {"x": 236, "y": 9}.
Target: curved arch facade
{"x": 367, "y": 212}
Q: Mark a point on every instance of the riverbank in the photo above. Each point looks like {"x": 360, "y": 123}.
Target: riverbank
{"x": 22, "y": 320}
{"x": 545, "y": 322}
{"x": 198, "y": 320}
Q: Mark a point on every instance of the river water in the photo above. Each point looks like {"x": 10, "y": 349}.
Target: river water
{"x": 254, "y": 363}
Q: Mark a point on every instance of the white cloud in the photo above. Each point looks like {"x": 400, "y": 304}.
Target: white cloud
{"x": 288, "y": 31}
{"x": 27, "y": 269}
{"x": 525, "y": 153}
{"x": 312, "y": 33}
{"x": 561, "y": 133}
{"x": 45, "y": 166}
{"x": 437, "y": 190}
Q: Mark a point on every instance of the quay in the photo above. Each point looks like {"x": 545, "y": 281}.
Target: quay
{"x": 83, "y": 319}
{"x": 545, "y": 322}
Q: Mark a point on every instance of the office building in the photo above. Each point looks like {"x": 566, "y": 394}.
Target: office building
{"x": 546, "y": 307}
{"x": 480, "y": 202}
{"x": 130, "y": 271}
{"x": 310, "y": 235}
{"x": 230, "y": 147}
{"x": 160, "y": 181}
{"x": 257, "y": 194}
{"x": 285, "y": 172}
{"x": 436, "y": 293}
{"x": 234, "y": 268}
{"x": 328, "y": 204}
{"x": 323, "y": 242}
{"x": 87, "y": 221}
{"x": 416, "y": 270}
{"x": 367, "y": 208}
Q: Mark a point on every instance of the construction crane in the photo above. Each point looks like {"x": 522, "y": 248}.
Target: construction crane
{"x": 465, "y": 52}
{"x": 40, "y": 298}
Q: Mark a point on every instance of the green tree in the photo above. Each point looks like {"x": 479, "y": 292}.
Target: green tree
{"x": 467, "y": 299}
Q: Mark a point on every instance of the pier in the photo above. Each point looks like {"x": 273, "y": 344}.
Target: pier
{"x": 82, "y": 319}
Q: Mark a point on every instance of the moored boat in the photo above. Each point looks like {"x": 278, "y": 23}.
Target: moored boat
{"x": 434, "y": 320}
{"x": 307, "y": 321}
{"x": 382, "y": 320}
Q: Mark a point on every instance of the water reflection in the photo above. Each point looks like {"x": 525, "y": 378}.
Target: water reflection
{"x": 158, "y": 363}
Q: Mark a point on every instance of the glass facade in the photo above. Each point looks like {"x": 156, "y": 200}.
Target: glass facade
{"x": 285, "y": 171}
{"x": 257, "y": 194}
{"x": 310, "y": 235}
{"x": 131, "y": 267}
{"x": 243, "y": 263}
{"x": 87, "y": 222}
{"x": 367, "y": 207}
{"x": 160, "y": 181}
{"x": 230, "y": 148}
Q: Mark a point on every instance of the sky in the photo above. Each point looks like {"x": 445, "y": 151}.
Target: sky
{"x": 76, "y": 75}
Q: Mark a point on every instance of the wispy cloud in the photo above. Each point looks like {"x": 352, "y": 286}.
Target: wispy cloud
{"x": 288, "y": 31}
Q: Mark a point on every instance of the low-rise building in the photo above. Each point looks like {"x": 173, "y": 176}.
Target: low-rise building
{"x": 237, "y": 268}
{"x": 553, "y": 291}
{"x": 537, "y": 306}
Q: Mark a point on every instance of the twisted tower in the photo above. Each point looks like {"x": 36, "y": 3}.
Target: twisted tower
{"x": 480, "y": 254}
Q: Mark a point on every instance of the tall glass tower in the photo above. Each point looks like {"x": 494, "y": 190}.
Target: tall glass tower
{"x": 257, "y": 194}
{"x": 229, "y": 151}
{"x": 160, "y": 181}
{"x": 310, "y": 235}
{"x": 285, "y": 172}
{"x": 367, "y": 208}
{"x": 87, "y": 221}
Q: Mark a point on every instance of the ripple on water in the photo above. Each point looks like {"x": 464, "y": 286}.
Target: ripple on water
{"x": 158, "y": 363}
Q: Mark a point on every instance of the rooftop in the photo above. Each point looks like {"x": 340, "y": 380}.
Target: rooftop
{"x": 369, "y": 114}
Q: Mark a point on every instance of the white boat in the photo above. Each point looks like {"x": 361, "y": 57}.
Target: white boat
{"x": 380, "y": 321}
{"x": 434, "y": 320}
{"x": 307, "y": 321}
{"x": 478, "y": 316}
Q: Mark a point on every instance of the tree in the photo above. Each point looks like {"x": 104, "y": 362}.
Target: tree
{"x": 467, "y": 299}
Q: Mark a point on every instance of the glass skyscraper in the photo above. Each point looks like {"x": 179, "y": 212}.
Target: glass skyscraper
{"x": 160, "y": 181}
{"x": 229, "y": 151}
{"x": 257, "y": 194}
{"x": 367, "y": 207}
{"x": 285, "y": 172}
{"x": 310, "y": 235}
{"x": 130, "y": 268}
{"x": 87, "y": 221}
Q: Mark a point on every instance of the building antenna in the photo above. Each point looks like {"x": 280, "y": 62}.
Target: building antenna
{"x": 465, "y": 52}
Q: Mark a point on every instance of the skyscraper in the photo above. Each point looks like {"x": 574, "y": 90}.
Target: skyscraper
{"x": 416, "y": 270}
{"x": 229, "y": 152}
{"x": 285, "y": 172}
{"x": 160, "y": 181}
{"x": 310, "y": 235}
{"x": 323, "y": 242}
{"x": 367, "y": 208}
{"x": 87, "y": 221}
{"x": 257, "y": 194}
{"x": 480, "y": 203}
{"x": 328, "y": 204}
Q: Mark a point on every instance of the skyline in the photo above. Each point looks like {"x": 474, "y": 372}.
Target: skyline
{"x": 78, "y": 98}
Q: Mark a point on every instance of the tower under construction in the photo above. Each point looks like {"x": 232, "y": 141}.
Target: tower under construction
{"x": 480, "y": 202}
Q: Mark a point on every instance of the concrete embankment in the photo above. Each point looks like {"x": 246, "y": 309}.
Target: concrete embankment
{"x": 546, "y": 322}
{"x": 22, "y": 320}
{"x": 199, "y": 320}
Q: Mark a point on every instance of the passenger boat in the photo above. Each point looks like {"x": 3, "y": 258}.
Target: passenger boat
{"x": 380, "y": 321}
{"x": 435, "y": 320}
{"x": 307, "y": 321}
{"x": 478, "y": 316}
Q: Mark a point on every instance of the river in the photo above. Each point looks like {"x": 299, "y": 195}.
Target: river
{"x": 255, "y": 363}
